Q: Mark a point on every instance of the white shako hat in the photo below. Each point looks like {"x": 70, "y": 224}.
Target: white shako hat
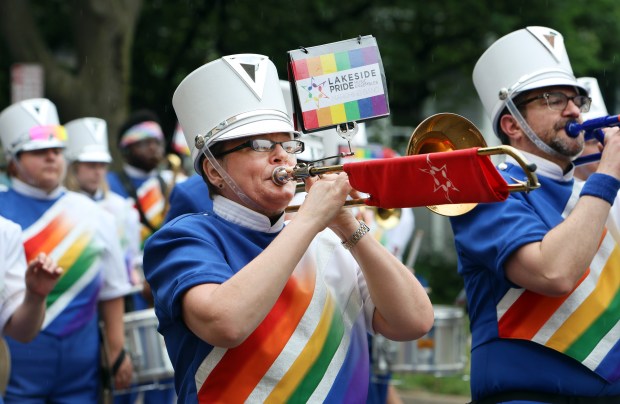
{"x": 314, "y": 148}
{"x": 597, "y": 108}
{"x": 231, "y": 97}
{"x": 526, "y": 59}
{"x": 30, "y": 125}
{"x": 87, "y": 141}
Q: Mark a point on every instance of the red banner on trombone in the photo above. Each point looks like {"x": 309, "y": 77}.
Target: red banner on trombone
{"x": 460, "y": 176}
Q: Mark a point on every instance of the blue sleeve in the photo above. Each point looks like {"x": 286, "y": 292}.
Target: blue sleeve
{"x": 191, "y": 196}
{"x": 491, "y": 232}
{"x": 178, "y": 257}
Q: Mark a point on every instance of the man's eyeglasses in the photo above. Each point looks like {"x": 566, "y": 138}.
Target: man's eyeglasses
{"x": 265, "y": 145}
{"x": 558, "y": 101}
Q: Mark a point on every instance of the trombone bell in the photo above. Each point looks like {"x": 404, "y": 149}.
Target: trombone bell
{"x": 445, "y": 132}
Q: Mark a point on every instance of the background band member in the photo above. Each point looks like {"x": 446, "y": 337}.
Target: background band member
{"x": 62, "y": 362}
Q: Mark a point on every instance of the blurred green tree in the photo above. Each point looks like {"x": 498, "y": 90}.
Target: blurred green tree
{"x": 106, "y": 57}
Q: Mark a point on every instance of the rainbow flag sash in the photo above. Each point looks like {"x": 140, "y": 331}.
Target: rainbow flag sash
{"x": 68, "y": 233}
{"x": 309, "y": 348}
{"x": 583, "y": 325}
{"x": 151, "y": 199}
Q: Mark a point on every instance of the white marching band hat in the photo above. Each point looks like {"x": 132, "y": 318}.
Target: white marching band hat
{"x": 597, "y": 108}
{"x": 526, "y": 59}
{"x": 88, "y": 141}
{"x": 31, "y": 125}
{"x": 232, "y": 97}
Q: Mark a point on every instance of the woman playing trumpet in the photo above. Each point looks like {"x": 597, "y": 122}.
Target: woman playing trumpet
{"x": 253, "y": 309}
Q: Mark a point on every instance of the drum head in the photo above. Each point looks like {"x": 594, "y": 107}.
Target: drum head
{"x": 5, "y": 365}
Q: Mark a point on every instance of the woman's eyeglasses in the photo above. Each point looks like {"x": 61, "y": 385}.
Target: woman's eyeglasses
{"x": 266, "y": 145}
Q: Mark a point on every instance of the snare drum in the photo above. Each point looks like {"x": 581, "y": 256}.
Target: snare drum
{"x": 442, "y": 351}
{"x": 146, "y": 348}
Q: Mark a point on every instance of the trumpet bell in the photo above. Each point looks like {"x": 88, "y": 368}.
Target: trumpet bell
{"x": 445, "y": 132}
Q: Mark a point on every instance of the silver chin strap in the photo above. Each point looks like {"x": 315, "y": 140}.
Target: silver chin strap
{"x": 514, "y": 111}
{"x": 229, "y": 181}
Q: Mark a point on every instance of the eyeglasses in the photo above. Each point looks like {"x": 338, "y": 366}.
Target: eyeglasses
{"x": 265, "y": 145}
{"x": 558, "y": 101}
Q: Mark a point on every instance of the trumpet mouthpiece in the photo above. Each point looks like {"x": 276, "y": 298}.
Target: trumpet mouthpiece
{"x": 280, "y": 176}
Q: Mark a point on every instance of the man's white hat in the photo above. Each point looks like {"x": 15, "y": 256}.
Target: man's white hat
{"x": 232, "y": 97}
{"x": 526, "y": 59}
{"x": 30, "y": 125}
{"x": 87, "y": 141}
{"x": 597, "y": 108}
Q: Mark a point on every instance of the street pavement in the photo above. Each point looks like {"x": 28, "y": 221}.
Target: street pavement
{"x": 423, "y": 397}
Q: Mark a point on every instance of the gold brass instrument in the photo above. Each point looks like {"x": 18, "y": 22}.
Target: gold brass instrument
{"x": 441, "y": 132}
{"x": 447, "y": 132}
{"x": 387, "y": 218}
{"x": 176, "y": 165}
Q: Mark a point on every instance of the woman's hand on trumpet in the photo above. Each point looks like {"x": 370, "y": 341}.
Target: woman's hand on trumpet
{"x": 325, "y": 200}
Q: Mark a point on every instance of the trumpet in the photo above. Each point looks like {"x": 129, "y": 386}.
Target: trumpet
{"x": 592, "y": 129}
{"x": 438, "y": 135}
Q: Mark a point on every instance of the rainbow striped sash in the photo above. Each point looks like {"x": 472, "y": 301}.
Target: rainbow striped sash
{"x": 310, "y": 347}
{"x": 584, "y": 324}
{"x": 152, "y": 202}
{"x": 67, "y": 232}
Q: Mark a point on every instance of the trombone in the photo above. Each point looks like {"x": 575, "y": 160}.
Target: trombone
{"x": 444, "y": 132}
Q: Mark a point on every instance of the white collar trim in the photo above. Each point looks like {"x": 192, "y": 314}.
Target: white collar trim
{"x": 545, "y": 167}
{"x": 135, "y": 172}
{"x": 242, "y": 216}
{"x": 34, "y": 192}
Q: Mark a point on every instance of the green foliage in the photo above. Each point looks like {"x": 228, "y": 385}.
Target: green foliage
{"x": 427, "y": 48}
{"x": 444, "y": 281}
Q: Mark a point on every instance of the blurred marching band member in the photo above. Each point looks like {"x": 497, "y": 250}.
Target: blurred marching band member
{"x": 62, "y": 362}
{"x": 144, "y": 182}
{"x": 142, "y": 179}
{"x": 89, "y": 160}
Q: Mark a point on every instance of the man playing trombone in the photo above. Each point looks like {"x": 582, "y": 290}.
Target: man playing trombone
{"x": 541, "y": 270}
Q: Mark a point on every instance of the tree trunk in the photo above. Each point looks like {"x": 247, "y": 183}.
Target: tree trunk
{"x": 97, "y": 84}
